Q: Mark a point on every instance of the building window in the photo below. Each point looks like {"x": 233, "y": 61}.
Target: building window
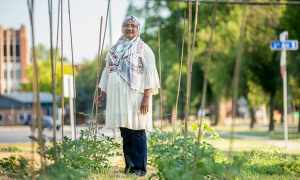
{"x": 11, "y": 50}
{"x": 29, "y": 115}
{"x": 22, "y": 117}
{"x": 18, "y": 50}
{"x": 5, "y": 74}
{"x": 18, "y": 74}
{"x": 4, "y": 49}
{"x": 1, "y": 117}
{"x": 11, "y": 74}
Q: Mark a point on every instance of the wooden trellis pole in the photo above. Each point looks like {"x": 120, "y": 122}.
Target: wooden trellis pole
{"x": 160, "y": 90}
{"x": 236, "y": 78}
{"x": 194, "y": 34}
{"x": 62, "y": 75}
{"x": 204, "y": 88}
{"x": 180, "y": 69}
{"x": 95, "y": 93}
{"x": 187, "y": 106}
{"x": 36, "y": 96}
{"x": 53, "y": 82}
{"x": 98, "y": 76}
{"x": 74, "y": 90}
{"x": 55, "y": 66}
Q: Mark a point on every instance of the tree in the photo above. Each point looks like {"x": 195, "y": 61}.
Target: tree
{"x": 85, "y": 85}
{"x": 263, "y": 64}
{"x": 289, "y": 22}
{"x": 44, "y": 72}
{"x": 260, "y": 66}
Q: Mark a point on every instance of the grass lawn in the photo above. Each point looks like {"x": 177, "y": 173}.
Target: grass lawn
{"x": 245, "y": 145}
{"x": 278, "y": 134}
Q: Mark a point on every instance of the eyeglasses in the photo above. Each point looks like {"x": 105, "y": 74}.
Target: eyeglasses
{"x": 127, "y": 26}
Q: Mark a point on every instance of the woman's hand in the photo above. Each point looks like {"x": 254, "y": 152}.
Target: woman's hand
{"x": 100, "y": 98}
{"x": 145, "y": 102}
{"x": 145, "y": 105}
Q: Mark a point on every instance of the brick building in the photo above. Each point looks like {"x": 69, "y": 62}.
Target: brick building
{"x": 16, "y": 108}
{"x": 14, "y": 58}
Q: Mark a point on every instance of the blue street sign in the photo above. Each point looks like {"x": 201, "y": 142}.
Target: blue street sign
{"x": 289, "y": 45}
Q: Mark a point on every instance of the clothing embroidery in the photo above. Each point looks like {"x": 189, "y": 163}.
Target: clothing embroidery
{"x": 113, "y": 66}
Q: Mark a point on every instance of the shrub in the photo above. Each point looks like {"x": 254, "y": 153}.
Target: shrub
{"x": 76, "y": 159}
{"x": 276, "y": 161}
{"x": 14, "y": 166}
{"x": 169, "y": 158}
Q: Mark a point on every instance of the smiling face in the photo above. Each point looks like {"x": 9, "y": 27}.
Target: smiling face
{"x": 129, "y": 29}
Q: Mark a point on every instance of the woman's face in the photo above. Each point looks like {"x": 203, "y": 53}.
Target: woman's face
{"x": 130, "y": 29}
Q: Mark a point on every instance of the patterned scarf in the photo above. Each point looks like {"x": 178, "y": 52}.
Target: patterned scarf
{"x": 126, "y": 53}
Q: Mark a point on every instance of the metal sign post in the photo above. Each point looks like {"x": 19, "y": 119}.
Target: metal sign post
{"x": 69, "y": 92}
{"x": 284, "y": 45}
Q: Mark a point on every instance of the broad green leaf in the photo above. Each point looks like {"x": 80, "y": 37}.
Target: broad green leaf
{"x": 193, "y": 126}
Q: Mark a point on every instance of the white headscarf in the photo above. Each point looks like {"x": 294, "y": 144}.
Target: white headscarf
{"x": 126, "y": 53}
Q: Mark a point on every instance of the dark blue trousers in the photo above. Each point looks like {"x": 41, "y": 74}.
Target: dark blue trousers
{"x": 135, "y": 150}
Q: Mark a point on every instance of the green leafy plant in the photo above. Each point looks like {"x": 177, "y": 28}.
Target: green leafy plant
{"x": 77, "y": 159}
{"x": 14, "y": 166}
{"x": 205, "y": 129}
{"x": 274, "y": 162}
{"x": 169, "y": 160}
{"x": 10, "y": 149}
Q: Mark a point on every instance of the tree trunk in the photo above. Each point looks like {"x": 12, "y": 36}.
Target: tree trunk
{"x": 216, "y": 111}
{"x": 299, "y": 120}
{"x": 264, "y": 111}
{"x": 222, "y": 112}
{"x": 253, "y": 119}
{"x": 173, "y": 116}
{"x": 282, "y": 115}
{"x": 272, "y": 104}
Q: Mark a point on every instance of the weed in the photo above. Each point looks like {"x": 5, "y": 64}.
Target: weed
{"x": 10, "y": 149}
{"x": 14, "y": 166}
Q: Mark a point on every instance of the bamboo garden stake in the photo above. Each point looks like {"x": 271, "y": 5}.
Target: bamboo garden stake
{"x": 187, "y": 107}
{"x": 236, "y": 78}
{"x": 62, "y": 76}
{"x": 55, "y": 67}
{"x": 204, "y": 88}
{"x": 194, "y": 35}
{"x": 74, "y": 90}
{"x": 180, "y": 69}
{"x": 36, "y": 97}
{"x": 95, "y": 93}
{"x": 160, "y": 92}
{"x": 98, "y": 73}
{"x": 53, "y": 82}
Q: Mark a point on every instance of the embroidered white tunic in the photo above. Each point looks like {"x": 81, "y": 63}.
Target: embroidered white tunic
{"x": 120, "y": 110}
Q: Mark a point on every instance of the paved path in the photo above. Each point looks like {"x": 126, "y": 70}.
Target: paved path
{"x": 292, "y": 145}
{"x": 10, "y": 134}
{"x": 21, "y": 133}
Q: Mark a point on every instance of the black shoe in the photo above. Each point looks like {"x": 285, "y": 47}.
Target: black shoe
{"x": 138, "y": 172}
{"x": 128, "y": 171}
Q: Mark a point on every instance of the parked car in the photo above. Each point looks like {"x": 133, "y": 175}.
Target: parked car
{"x": 47, "y": 122}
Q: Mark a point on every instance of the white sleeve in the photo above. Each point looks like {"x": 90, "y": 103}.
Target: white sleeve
{"x": 151, "y": 75}
{"x": 104, "y": 77}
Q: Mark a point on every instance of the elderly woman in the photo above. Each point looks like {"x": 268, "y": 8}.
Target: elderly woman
{"x": 130, "y": 79}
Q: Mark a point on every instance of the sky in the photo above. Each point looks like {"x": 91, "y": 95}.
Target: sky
{"x": 85, "y": 20}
